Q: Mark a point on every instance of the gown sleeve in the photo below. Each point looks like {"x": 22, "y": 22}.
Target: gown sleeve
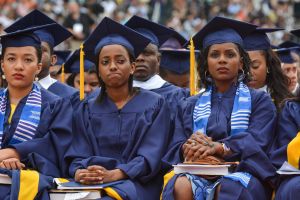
{"x": 287, "y": 129}
{"x": 54, "y": 136}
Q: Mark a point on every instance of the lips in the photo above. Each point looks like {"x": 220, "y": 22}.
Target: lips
{"x": 222, "y": 69}
{"x": 141, "y": 67}
{"x": 18, "y": 76}
{"x": 113, "y": 75}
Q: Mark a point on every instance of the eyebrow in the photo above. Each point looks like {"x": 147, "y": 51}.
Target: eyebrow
{"x": 26, "y": 54}
{"x": 120, "y": 55}
{"x": 231, "y": 49}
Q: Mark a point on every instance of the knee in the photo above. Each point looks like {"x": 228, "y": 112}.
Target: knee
{"x": 183, "y": 188}
{"x": 288, "y": 188}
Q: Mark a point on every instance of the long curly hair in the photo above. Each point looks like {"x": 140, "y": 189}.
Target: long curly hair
{"x": 276, "y": 80}
{"x": 202, "y": 66}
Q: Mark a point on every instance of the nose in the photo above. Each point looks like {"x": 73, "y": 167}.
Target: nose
{"x": 87, "y": 88}
{"x": 222, "y": 58}
{"x": 112, "y": 66}
{"x": 140, "y": 58}
{"x": 19, "y": 65}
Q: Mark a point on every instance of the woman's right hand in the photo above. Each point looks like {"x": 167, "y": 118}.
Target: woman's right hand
{"x": 88, "y": 177}
{"x": 12, "y": 163}
{"x": 196, "y": 141}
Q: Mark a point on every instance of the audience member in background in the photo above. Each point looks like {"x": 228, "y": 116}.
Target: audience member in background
{"x": 61, "y": 59}
{"x": 91, "y": 78}
{"x": 289, "y": 66}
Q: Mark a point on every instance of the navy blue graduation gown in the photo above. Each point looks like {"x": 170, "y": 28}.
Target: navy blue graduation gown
{"x": 45, "y": 152}
{"x": 287, "y": 129}
{"x": 248, "y": 147}
{"x": 132, "y": 139}
{"x": 66, "y": 92}
{"x": 172, "y": 94}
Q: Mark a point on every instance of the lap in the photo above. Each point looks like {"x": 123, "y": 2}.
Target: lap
{"x": 234, "y": 190}
{"x": 288, "y": 189}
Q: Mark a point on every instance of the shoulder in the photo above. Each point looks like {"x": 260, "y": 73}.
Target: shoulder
{"x": 292, "y": 107}
{"x": 260, "y": 97}
{"x": 146, "y": 98}
{"x": 48, "y": 97}
{"x": 62, "y": 90}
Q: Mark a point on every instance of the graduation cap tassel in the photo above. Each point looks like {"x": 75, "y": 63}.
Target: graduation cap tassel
{"x": 63, "y": 73}
{"x": 192, "y": 68}
{"x": 81, "y": 91}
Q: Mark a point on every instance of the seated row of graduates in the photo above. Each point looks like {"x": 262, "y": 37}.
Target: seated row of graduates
{"x": 132, "y": 134}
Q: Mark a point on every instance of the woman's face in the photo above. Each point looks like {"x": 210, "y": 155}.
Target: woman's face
{"x": 115, "y": 66}
{"x": 20, "y": 66}
{"x": 92, "y": 81}
{"x": 290, "y": 70}
{"x": 258, "y": 69}
{"x": 224, "y": 62}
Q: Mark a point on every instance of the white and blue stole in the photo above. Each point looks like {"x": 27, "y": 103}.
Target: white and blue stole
{"x": 30, "y": 116}
{"x": 239, "y": 120}
{"x": 240, "y": 113}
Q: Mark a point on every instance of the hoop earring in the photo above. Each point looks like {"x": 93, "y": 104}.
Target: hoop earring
{"x": 268, "y": 72}
{"x": 241, "y": 76}
{"x": 3, "y": 76}
{"x": 207, "y": 77}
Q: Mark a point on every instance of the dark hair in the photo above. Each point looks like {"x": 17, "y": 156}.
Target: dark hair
{"x": 38, "y": 53}
{"x": 102, "y": 84}
{"x": 202, "y": 66}
{"x": 276, "y": 80}
{"x": 94, "y": 71}
{"x": 70, "y": 79}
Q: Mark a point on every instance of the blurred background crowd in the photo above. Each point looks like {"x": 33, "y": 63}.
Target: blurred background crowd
{"x": 185, "y": 16}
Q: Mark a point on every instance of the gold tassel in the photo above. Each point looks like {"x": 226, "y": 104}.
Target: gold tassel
{"x": 63, "y": 73}
{"x": 192, "y": 69}
{"x": 81, "y": 91}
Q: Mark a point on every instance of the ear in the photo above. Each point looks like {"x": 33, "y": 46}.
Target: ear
{"x": 158, "y": 58}
{"x": 132, "y": 68}
{"x": 53, "y": 59}
{"x": 39, "y": 68}
{"x": 2, "y": 68}
{"x": 241, "y": 64}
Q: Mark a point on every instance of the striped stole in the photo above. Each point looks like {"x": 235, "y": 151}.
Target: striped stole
{"x": 30, "y": 116}
{"x": 240, "y": 113}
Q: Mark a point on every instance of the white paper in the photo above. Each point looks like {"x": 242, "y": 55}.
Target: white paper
{"x": 286, "y": 168}
{"x": 74, "y": 196}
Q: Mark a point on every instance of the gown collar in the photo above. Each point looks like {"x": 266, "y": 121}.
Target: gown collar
{"x": 46, "y": 82}
{"x": 154, "y": 82}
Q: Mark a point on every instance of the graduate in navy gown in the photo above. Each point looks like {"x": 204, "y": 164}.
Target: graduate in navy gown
{"x": 228, "y": 120}
{"x": 91, "y": 78}
{"x": 61, "y": 59}
{"x": 289, "y": 65}
{"x": 175, "y": 66}
{"x": 266, "y": 71}
{"x": 147, "y": 63}
{"x": 122, "y": 134}
{"x": 286, "y": 148}
{"x": 35, "y": 132}
{"x": 50, "y": 37}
